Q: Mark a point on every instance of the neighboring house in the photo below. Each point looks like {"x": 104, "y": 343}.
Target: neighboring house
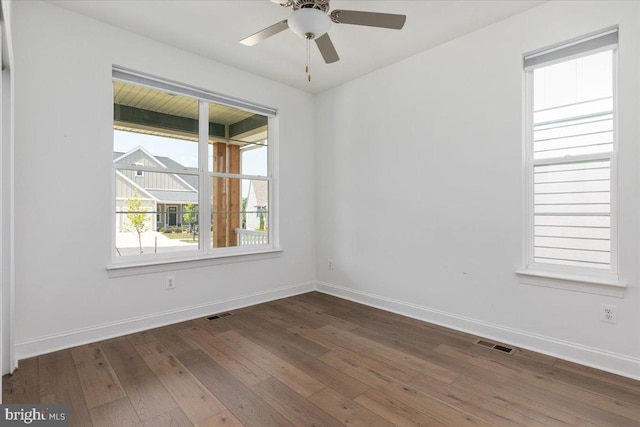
{"x": 164, "y": 195}
{"x": 257, "y": 204}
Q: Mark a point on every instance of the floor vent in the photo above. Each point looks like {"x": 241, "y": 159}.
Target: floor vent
{"x": 494, "y": 346}
{"x": 217, "y": 316}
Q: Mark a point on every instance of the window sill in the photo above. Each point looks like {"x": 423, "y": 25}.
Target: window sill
{"x": 163, "y": 265}
{"x": 608, "y": 286}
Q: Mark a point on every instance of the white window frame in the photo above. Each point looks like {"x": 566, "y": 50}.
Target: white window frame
{"x": 582, "y": 279}
{"x": 205, "y": 254}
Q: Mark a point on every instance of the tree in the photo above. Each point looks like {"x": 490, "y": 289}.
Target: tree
{"x": 244, "y": 212}
{"x": 189, "y": 216}
{"x": 137, "y": 216}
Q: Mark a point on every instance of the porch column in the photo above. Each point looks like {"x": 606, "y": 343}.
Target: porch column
{"x": 226, "y": 195}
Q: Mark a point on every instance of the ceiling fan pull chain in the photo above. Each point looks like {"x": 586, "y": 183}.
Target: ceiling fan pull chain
{"x": 308, "y": 58}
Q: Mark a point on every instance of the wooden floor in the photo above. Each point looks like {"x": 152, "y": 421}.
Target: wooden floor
{"x": 316, "y": 360}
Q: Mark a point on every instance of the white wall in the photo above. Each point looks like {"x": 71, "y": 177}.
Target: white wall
{"x": 7, "y": 356}
{"x": 419, "y": 189}
{"x": 63, "y": 132}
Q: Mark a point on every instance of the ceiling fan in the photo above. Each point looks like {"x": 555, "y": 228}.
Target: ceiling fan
{"x": 311, "y": 20}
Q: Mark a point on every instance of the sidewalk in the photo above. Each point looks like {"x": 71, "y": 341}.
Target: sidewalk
{"x": 127, "y": 243}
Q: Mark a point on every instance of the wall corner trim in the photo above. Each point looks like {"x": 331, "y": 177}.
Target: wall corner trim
{"x": 620, "y": 364}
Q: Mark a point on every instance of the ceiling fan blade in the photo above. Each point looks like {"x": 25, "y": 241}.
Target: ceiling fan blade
{"x": 371, "y": 19}
{"x": 326, "y": 49}
{"x": 266, "y": 33}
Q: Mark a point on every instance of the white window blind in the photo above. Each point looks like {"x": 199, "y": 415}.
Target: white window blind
{"x": 571, "y": 149}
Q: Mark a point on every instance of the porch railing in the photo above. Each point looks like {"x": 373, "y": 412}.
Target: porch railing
{"x": 251, "y": 237}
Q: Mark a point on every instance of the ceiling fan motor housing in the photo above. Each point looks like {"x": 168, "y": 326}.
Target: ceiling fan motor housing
{"x": 322, "y": 5}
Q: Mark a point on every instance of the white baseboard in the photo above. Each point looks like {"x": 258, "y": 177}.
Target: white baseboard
{"x": 616, "y": 363}
{"x": 48, "y": 343}
{"x": 620, "y": 364}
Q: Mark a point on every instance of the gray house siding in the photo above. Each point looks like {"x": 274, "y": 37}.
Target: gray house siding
{"x": 166, "y": 195}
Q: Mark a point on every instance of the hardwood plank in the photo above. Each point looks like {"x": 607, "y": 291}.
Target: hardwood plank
{"x": 328, "y": 302}
{"x": 472, "y": 403}
{"x": 294, "y": 407}
{"x": 530, "y": 407}
{"x": 413, "y": 345}
{"x": 613, "y": 387}
{"x": 623, "y": 408}
{"x": 97, "y": 378}
{"x": 321, "y": 317}
{"x": 569, "y": 405}
{"x": 239, "y": 366}
{"x": 78, "y": 413}
{"x": 382, "y": 365}
{"x": 221, "y": 419}
{"x": 23, "y": 385}
{"x": 598, "y": 375}
{"x": 192, "y": 396}
{"x": 115, "y": 413}
{"x": 431, "y": 406}
{"x": 543, "y": 359}
{"x": 366, "y": 316}
{"x": 494, "y": 378}
{"x": 280, "y": 317}
{"x": 395, "y": 411}
{"x": 346, "y": 410}
{"x": 425, "y": 337}
{"x": 278, "y": 368}
{"x": 307, "y": 301}
{"x": 145, "y": 392}
{"x": 57, "y": 372}
{"x": 172, "y": 340}
{"x": 258, "y": 327}
{"x": 405, "y": 393}
{"x": 348, "y": 366}
{"x": 361, "y": 344}
{"x": 326, "y": 374}
{"x": 173, "y": 418}
{"x": 241, "y": 401}
{"x": 59, "y": 383}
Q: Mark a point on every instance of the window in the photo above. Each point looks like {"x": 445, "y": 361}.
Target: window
{"x": 139, "y": 173}
{"x": 185, "y": 164}
{"x": 571, "y": 146}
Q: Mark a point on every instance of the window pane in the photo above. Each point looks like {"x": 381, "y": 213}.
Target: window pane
{"x": 573, "y": 116}
{"x": 573, "y": 107}
{"x": 254, "y": 160}
{"x": 234, "y": 132}
{"x": 155, "y": 214}
{"x": 162, "y": 127}
{"x": 240, "y": 212}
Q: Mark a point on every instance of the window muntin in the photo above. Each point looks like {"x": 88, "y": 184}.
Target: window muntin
{"x": 160, "y": 134}
{"x": 571, "y": 163}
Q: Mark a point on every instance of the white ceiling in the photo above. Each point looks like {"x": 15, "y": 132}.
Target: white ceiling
{"x": 213, "y": 28}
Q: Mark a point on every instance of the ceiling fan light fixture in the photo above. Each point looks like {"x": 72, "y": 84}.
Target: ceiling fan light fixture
{"x": 309, "y": 21}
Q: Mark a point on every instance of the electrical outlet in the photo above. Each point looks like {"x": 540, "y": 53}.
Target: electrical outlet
{"x": 170, "y": 282}
{"x": 330, "y": 264}
{"x": 608, "y": 313}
